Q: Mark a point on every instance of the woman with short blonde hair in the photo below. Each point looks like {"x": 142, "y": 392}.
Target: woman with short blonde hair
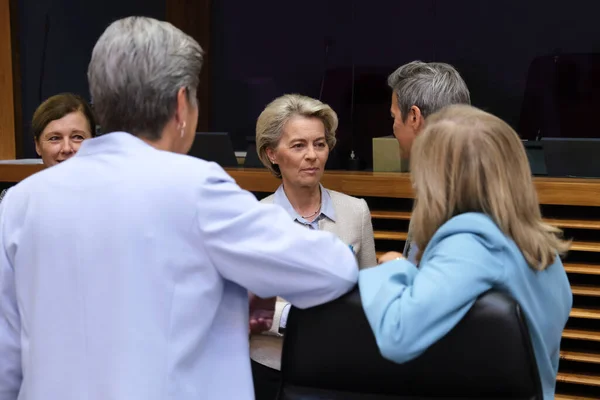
{"x": 294, "y": 135}
{"x": 477, "y": 226}
{"x": 272, "y": 120}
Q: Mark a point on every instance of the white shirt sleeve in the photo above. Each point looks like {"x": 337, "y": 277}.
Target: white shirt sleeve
{"x": 258, "y": 247}
{"x": 284, "y": 315}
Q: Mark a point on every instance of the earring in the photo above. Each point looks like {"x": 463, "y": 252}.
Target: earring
{"x": 182, "y": 129}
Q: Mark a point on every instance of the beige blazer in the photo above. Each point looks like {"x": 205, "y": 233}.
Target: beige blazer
{"x": 354, "y": 227}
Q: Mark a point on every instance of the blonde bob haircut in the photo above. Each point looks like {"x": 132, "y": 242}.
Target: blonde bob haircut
{"x": 271, "y": 122}
{"x": 467, "y": 160}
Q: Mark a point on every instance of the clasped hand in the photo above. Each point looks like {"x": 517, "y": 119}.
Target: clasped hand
{"x": 262, "y": 312}
{"x": 389, "y": 256}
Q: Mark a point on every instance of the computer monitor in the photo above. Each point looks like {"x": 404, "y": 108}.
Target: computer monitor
{"x": 572, "y": 157}
{"x": 535, "y": 155}
{"x": 214, "y": 146}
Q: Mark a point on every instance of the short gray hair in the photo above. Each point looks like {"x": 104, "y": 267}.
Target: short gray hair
{"x": 429, "y": 86}
{"x": 138, "y": 65}
{"x": 270, "y": 123}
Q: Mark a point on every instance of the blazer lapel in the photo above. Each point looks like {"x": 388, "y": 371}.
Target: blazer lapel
{"x": 327, "y": 225}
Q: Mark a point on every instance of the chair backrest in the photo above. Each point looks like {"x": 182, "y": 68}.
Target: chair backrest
{"x": 330, "y": 353}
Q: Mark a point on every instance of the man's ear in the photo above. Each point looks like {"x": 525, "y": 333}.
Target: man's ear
{"x": 415, "y": 118}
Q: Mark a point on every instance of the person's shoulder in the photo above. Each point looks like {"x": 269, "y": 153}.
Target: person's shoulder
{"x": 41, "y": 177}
{"x": 181, "y": 167}
{"x": 345, "y": 201}
{"x": 470, "y": 229}
{"x": 471, "y": 222}
{"x": 269, "y": 199}
{"x": 177, "y": 160}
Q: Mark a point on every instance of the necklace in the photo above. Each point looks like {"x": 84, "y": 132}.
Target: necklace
{"x": 317, "y": 210}
{"x": 313, "y": 214}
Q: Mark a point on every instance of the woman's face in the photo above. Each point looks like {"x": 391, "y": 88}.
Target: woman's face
{"x": 302, "y": 152}
{"x": 61, "y": 138}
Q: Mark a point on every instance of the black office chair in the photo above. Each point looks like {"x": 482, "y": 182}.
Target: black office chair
{"x": 330, "y": 353}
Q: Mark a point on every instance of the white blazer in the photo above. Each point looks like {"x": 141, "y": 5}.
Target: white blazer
{"x": 124, "y": 274}
{"x": 354, "y": 227}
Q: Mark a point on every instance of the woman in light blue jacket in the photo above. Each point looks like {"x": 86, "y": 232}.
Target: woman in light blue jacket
{"x": 478, "y": 221}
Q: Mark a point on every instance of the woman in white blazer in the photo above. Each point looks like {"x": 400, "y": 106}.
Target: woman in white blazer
{"x": 294, "y": 135}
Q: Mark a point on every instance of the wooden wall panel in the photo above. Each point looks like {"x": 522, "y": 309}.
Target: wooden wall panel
{"x": 7, "y": 105}
{"x": 193, "y": 18}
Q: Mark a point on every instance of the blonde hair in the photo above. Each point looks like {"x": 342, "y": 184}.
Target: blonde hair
{"x": 467, "y": 160}
{"x": 270, "y": 123}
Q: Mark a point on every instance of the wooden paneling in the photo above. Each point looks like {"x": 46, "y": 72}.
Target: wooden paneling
{"x": 568, "y": 397}
{"x": 400, "y": 215}
{"x": 390, "y": 235}
{"x": 585, "y": 246}
{"x": 586, "y": 290}
{"x": 7, "y": 106}
{"x": 585, "y": 313}
{"x": 573, "y": 223}
{"x": 193, "y": 18}
{"x": 582, "y": 379}
{"x": 585, "y": 269}
{"x": 591, "y": 357}
{"x": 551, "y": 191}
{"x": 568, "y": 192}
{"x": 573, "y": 192}
{"x": 16, "y": 173}
{"x": 580, "y": 334}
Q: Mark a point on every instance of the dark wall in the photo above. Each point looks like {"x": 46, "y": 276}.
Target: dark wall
{"x": 72, "y": 30}
{"x": 264, "y": 49}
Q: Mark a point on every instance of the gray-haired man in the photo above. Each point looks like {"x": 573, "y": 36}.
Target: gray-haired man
{"x": 419, "y": 90}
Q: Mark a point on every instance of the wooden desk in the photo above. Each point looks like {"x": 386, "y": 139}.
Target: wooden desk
{"x": 551, "y": 191}
{"x": 14, "y": 173}
{"x": 571, "y": 204}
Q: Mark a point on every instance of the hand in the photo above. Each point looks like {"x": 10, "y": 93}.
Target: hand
{"x": 389, "y": 256}
{"x": 261, "y": 313}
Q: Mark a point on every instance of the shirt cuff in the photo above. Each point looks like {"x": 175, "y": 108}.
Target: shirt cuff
{"x": 284, "y": 315}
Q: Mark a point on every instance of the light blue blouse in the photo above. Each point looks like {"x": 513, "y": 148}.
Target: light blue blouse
{"x": 327, "y": 210}
{"x": 409, "y": 309}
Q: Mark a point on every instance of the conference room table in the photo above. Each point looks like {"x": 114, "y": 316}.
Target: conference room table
{"x": 569, "y": 203}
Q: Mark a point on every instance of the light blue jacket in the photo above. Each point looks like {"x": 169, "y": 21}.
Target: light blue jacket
{"x": 409, "y": 309}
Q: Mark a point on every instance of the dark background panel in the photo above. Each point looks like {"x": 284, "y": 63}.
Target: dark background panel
{"x": 260, "y": 50}
{"x": 263, "y": 51}
{"x": 70, "y": 29}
